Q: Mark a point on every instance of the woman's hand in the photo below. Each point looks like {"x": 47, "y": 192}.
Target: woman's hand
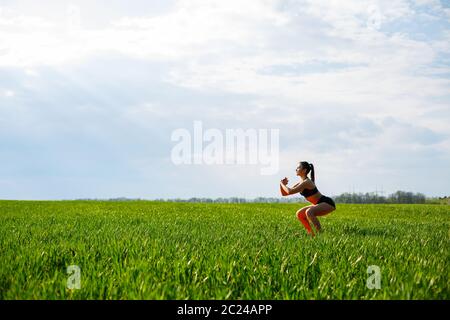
{"x": 283, "y": 187}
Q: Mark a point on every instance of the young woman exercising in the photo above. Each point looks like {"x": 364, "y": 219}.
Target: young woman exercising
{"x": 321, "y": 205}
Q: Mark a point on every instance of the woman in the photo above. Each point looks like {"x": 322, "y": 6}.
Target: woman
{"x": 321, "y": 205}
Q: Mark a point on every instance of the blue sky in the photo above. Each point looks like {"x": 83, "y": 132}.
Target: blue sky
{"x": 91, "y": 92}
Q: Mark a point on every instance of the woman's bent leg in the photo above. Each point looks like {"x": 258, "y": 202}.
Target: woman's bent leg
{"x": 301, "y": 215}
{"x": 320, "y": 209}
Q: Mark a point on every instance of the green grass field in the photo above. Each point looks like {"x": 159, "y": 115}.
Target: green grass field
{"x": 153, "y": 250}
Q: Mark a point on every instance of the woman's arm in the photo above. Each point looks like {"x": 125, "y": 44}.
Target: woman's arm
{"x": 285, "y": 190}
{"x": 283, "y": 187}
{"x": 296, "y": 184}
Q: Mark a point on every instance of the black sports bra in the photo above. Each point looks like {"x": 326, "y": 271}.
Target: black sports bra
{"x": 309, "y": 192}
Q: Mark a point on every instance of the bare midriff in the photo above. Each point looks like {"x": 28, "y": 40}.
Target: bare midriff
{"x": 314, "y": 198}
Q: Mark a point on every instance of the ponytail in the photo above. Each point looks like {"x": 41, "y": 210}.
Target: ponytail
{"x": 313, "y": 177}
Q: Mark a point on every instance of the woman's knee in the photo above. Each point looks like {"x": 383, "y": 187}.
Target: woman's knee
{"x": 301, "y": 214}
{"x": 310, "y": 213}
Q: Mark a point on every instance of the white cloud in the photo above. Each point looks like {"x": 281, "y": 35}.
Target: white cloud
{"x": 193, "y": 28}
{"x": 10, "y": 19}
{"x": 8, "y": 93}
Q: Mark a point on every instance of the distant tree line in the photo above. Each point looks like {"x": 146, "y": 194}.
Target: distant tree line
{"x": 204, "y": 200}
{"x": 236, "y": 200}
{"x": 396, "y": 197}
{"x": 368, "y": 197}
